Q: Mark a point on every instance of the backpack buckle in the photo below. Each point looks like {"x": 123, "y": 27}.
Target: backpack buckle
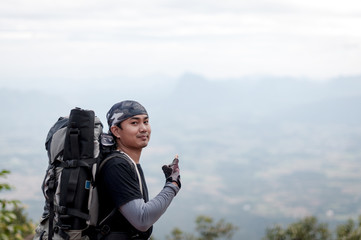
{"x": 70, "y": 164}
{"x": 74, "y": 130}
{"x": 61, "y": 210}
{"x": 105, "y": 230}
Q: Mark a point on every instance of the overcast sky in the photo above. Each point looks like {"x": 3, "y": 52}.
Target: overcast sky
{"x": 67, "y": 39}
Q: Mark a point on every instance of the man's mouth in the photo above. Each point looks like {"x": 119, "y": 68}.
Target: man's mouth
{"x": 143, "y": 137}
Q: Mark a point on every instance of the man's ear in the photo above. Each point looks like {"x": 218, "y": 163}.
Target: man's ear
{"x": 115, "y": 131}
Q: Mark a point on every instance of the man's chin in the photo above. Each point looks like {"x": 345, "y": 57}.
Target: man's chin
{"x": 144, "y": 144}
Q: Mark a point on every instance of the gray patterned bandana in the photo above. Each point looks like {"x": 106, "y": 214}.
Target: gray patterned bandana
{"x": 124, "y": 110}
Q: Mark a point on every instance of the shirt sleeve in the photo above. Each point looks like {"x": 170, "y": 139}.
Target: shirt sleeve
{"x": 142, "y": 215}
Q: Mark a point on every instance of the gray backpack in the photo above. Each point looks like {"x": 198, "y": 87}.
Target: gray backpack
{"x": 71, "y": 200}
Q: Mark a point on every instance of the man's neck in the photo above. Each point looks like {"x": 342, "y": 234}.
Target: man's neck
{"x": 133, "y": 154}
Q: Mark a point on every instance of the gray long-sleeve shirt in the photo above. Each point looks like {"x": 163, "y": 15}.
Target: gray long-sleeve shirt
{"x": 142, "y": 215}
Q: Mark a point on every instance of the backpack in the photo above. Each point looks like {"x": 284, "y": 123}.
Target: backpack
{"x": 75, "y": 151}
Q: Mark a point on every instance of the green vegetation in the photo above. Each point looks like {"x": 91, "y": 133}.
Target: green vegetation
{"x": 349, "y": 230}
{"x": 206, "y": 229}
{"x": 14, "y": 223}
{"x": 310, "y": 229}
{"x": 305, "y": 229}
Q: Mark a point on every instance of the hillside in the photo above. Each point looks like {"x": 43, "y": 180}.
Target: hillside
{"x": 253, "y": 151}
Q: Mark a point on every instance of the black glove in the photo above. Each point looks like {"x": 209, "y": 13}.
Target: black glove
{"x": 171, "y": 172}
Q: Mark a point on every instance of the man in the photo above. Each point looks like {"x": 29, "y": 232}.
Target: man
{"x": 122, "y": 184}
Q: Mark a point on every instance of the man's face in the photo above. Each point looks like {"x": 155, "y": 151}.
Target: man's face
{"x": 135, "y": 132}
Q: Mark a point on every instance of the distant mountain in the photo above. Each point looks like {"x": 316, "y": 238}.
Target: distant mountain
{"x": 253, "y": 151}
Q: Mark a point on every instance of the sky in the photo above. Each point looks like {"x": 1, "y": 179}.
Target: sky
{"x": 83, "y": 40}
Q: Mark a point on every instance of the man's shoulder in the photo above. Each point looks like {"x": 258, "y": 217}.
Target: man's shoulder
{"x": 116, "y": 159}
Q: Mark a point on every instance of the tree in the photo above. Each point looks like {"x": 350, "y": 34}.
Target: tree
{"x": 14, "y": 223}
{"x": 309, "y": 228}
{"x": 349, "y": 231}
{"x": 305, "y": 229}
{"x": 207, "y": 230}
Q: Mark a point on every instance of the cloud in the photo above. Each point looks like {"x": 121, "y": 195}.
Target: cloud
{"x": 318, "y": 39}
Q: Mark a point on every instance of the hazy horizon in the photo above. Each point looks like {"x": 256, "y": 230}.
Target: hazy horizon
{"x": 253, "y": 152}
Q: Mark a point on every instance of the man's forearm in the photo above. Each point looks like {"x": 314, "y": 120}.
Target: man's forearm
{"x": 143, "y": 215}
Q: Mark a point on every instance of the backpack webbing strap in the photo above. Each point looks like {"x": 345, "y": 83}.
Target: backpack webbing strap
{"x": 108, "y": 217}
{"x": 85, "y": 162}
{"x": 77, "y": 213}
{"x": 72, "y": 184}
{"x": 73, "y": 212}
{"x": 51, "y": 193}
{"x": 74, "y": 134}
{"x": 136, "y": 169}
{"x": 73, "y": 175}
{"x": 63, "y": 234}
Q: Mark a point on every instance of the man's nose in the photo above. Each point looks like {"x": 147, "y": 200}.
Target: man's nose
{"x": 142, "y": 127}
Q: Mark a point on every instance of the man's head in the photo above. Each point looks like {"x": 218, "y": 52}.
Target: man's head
{"x": 124, "y": 110}
{"x": 129, "y": 124}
